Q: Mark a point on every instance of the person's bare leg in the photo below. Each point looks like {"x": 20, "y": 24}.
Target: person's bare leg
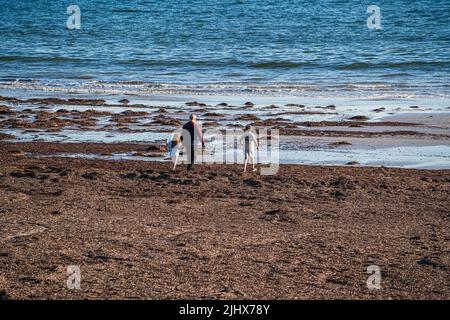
{"x": 175, "y": 164}
{"x": 245, "y": 164}
{"x": 253, "y": 163}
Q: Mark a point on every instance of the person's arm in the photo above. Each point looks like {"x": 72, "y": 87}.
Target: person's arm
{"x": 255, "y": 141}
{"x": 200, "y": 134}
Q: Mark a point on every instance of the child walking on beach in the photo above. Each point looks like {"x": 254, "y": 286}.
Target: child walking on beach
{"x": 174, "y": 147}
{"x": 249, "y": 141}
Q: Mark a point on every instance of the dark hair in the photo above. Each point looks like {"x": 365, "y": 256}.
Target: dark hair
{"x": 247, "y": 127}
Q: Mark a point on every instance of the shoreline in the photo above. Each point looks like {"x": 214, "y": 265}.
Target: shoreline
{"x": 149, "y": 153}
{"x": 179, "y": 98}
{"x": 408, "y": 136}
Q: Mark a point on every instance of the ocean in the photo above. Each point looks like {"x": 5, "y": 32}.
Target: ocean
{"x": 230, "y": 47}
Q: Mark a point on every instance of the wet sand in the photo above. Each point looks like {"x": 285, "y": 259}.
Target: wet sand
{"x": 138, "y": 230}
{"x": 394, "y": 136}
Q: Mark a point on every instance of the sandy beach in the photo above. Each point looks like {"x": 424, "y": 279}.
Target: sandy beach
{"x": 321, "y": 144}
{"x": 140, "y": 231}
{"x": 86, "y": 182}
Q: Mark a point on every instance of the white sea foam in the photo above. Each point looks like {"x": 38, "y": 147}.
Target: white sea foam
{"x": 365, "y": 91}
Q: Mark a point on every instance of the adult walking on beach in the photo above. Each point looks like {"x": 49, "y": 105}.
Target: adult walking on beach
{"x": 191, "y": 134}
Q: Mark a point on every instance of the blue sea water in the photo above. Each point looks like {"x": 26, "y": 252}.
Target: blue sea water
{"x": 289, "y": 47}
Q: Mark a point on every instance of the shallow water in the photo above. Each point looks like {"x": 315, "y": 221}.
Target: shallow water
{"x": 424, "y": 157}
{"x": 413, "y": 151}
